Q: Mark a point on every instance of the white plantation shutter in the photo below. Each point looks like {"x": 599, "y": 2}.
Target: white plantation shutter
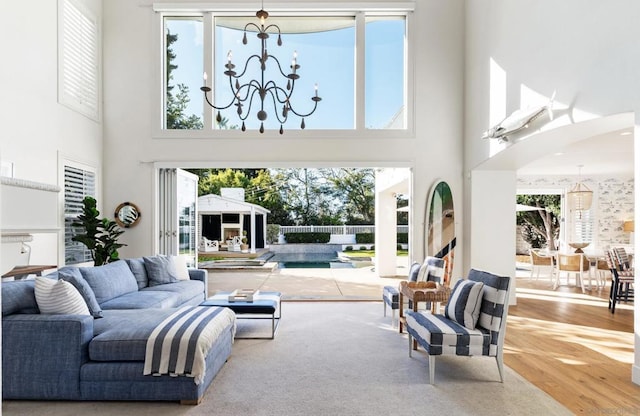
{"x": 78, "y": 183}
{"x": 78, "y": 60}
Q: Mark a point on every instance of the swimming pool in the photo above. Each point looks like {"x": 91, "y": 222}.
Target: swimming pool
{"x": 310, "y": 261}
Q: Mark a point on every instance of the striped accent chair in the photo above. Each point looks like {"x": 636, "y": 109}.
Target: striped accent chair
{"x": 391, "y": 296}
{"x": 431, "y": 270}
{"x": 443, "y": 335}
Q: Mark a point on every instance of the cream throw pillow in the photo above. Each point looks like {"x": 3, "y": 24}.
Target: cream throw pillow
{"x": 59, "y": 297}
{"x": 180, "y": 264}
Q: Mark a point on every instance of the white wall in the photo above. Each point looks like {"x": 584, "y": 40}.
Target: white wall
{"x": 35, "y": 128}
{"x": 130, "y": 151}
{"x": 585, "y": 50}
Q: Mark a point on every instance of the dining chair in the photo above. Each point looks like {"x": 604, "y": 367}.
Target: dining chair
{"x": 603, "y": 269}
{"x": 622, "y": 257}
{"x": 541, "y": 261}
{"x": 621, "y": 280}
{"x": 575, "y": 263}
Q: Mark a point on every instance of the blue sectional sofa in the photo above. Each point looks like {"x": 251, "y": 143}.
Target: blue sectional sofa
{"x": 101, "y": 356}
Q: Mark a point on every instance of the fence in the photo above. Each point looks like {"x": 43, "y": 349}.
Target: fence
{"x": 335, "y": 229}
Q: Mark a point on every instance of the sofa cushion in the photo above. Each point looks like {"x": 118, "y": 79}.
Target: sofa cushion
{"x": 142, "y": 300}
{"x": 19, "y": 297}
{"x": 110, "y": 281}
{"x": 59, "y": 297}
{"x": 160, "y": 269}
{"x": 122, "y": 334}
{"x": 139, "y": 271}
{"x": 74, "y": 276}
{"x": 184, "y": 289}
{"x": 464, "y": 303}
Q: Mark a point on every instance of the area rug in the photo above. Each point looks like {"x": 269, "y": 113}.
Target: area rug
{"x": 336, "y": 358}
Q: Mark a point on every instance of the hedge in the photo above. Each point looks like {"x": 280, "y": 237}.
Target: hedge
{"x": 370, "y": 238}
{"x": 297, "y": 238}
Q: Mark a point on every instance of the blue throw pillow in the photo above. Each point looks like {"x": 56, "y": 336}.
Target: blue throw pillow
{"x": 137, "y": 268}
{"x": 110, "y": 281}
{"x": 160, "y": 270}
{"x": 74, "y": 276}
{"x": 413, "y": 272}
{"x": 464, "y": 303}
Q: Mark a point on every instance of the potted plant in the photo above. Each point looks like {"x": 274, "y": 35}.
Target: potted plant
{"x": 99, "y": 235}
{"x": 244, "y": 247}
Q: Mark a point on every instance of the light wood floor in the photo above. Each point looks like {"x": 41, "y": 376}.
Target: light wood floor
{"x": 571, "y": 346}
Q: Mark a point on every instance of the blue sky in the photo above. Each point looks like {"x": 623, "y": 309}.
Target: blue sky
{"x": 326, "y": 58}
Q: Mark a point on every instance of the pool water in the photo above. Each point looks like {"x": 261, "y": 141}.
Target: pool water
{"x": 309, "y": 261}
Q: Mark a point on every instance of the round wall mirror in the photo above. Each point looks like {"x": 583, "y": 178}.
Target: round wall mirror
{"x": 441, "y": 228}
{"x": 127, "y": 215}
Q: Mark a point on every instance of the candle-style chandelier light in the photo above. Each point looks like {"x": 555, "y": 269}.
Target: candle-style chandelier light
{"x": 262, "y": 90}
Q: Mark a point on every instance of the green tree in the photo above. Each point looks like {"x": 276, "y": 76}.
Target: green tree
{"x": 354, "y": 188}
{"x": 212, "y": 180}
{"x": 264, "y": 191}
{"x": 308, "y": 196}
{"x": 540, "y": 227}
{"x": 177, "y": 102}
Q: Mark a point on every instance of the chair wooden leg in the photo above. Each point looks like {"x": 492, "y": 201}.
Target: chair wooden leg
{"x": 432, "y": 369}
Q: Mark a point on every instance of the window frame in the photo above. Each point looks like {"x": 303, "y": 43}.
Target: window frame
{"x": 358, "y": 10}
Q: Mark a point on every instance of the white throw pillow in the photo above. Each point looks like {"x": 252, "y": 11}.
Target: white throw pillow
{"x": 180, "y": 264}
{"x": 59, "y": 297}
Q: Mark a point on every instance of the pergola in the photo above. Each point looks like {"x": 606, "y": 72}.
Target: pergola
{"x": 222, "y": 217}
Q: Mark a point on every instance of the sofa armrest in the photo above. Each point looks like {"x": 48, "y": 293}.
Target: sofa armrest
{"x": 42, "y": 355}
{"x": 199, "y": 274}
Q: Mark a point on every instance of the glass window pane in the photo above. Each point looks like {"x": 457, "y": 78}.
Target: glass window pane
{"x": 385, "y": 73}
{"x": 183, "y": 66}
{"x": 325, "y": 52}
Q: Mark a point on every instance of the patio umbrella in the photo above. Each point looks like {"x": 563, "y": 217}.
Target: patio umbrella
{"x": 522, "y": 207}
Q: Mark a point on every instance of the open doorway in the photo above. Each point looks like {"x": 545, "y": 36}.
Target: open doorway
{"x": 252, "y": 219}
{"x": 538, "y": 227}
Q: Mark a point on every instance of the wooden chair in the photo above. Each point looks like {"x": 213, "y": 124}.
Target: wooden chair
{"x": 621, "y": 280}
{"x": 541, "y": 261}
{"x": 603, "y": 269}
{"x": 572, "y": 263}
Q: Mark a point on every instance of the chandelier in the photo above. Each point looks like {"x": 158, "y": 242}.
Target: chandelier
{"x": 580, "y": 197}
{"x": 260, "y": 91}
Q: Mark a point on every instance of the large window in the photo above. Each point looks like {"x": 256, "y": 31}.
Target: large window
{"x": 78, "y": 59}
{"x": 79, "y": 181}
{"x": 357, "y": 60}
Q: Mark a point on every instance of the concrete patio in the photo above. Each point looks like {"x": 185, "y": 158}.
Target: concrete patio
{"x": 337, "y": 284}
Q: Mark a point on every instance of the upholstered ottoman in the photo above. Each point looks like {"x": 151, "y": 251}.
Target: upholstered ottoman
{"x": 263, "y": 303}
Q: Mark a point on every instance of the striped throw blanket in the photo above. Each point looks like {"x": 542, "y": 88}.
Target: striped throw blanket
{"x": 179, "y": 345}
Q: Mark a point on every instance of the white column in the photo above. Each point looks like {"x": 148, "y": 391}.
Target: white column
{"x": 386, "y": 234}
{"x": 635, "y": 371}
{"x": 264, "y": 230}
{"x": 493, "y": 224}
{"x": 252, "y": 247}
